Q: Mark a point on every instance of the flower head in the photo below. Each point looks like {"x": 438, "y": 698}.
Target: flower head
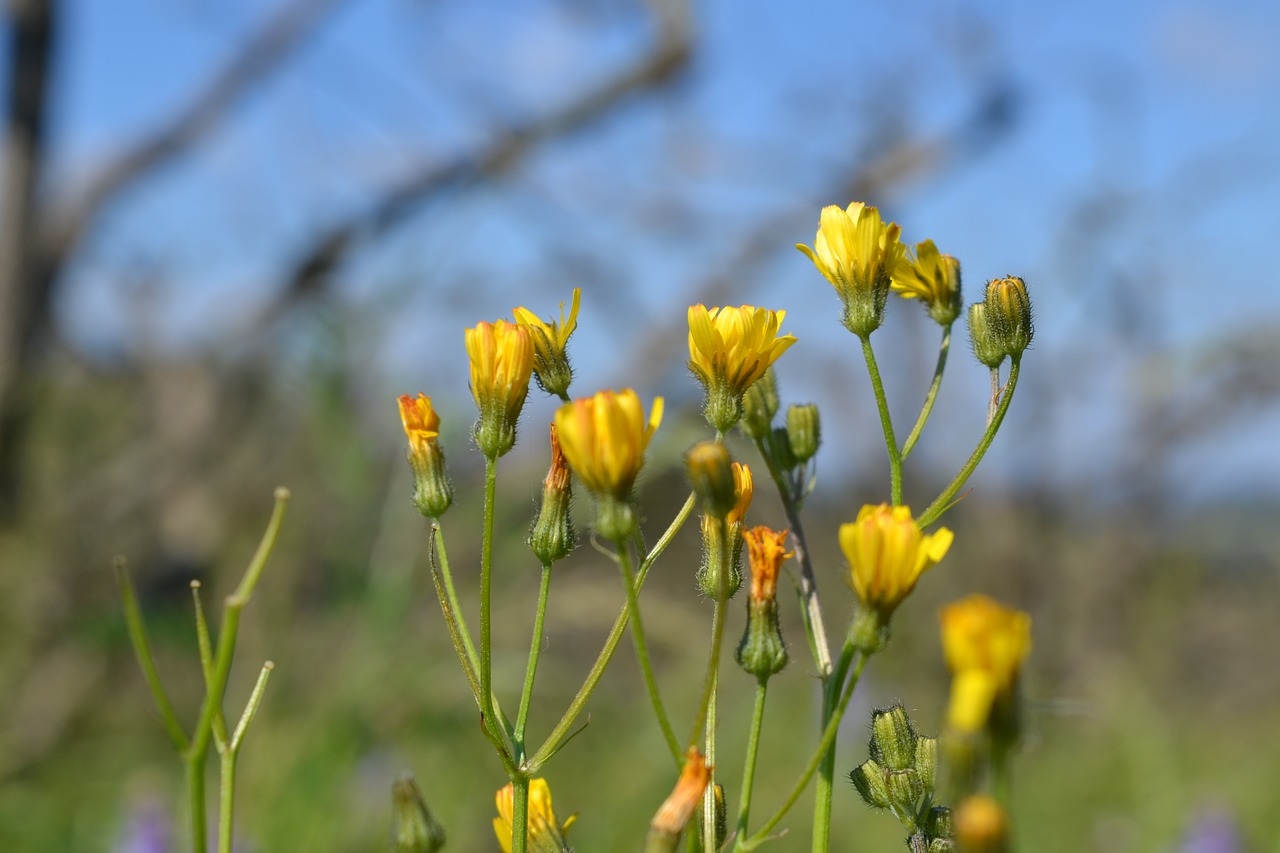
{"x": 1009, "y": 315}
{"x": 859, "y": 254}
{"x": 768, "y": 551}
{"x": 985, "y": 645}
{"x": 432, "y": 491}
{"x": 550, "y": 343}
{"x": 729, "y": 349}
{"x": 546, "y": 833}
{"x": 887, "y": 553}
{"x": 677, "y": 809}
{"x": 934, "y": 279}
{"x": 604, "y": 438}
{"x": 501, "y": 356}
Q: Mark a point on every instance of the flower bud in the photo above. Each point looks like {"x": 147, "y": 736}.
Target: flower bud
{"x": 413, "y": 828}
{"x": 710, "y": 470}
{"x": 759, "y": 405}
{"x": 1009, "y": 314}
{"x": 893, "y": 738}
{"x": 721, "y": 552}
{"x": 941, "y": 845}
{"x": 550, "y": 342}
{"x": 987, "y": 347}
{"x": 553, "y": 537}
{"x": 432, "y": 491}
{"x": 804, "y": 432}
{"x": 927, "y": 762}
{"x": 869, "y": 780}
{"x": 981, "y": 826}
{"x": 937, "y": 824}
{"x": 905, "y": 790}
{"x": 501, "y": 357}
{"x": 762, "y": 651}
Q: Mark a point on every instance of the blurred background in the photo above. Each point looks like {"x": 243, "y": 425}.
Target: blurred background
{"x": 233, "y": 231}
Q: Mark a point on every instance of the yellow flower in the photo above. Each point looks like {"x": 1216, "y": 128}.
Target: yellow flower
{"x": 729, "y": 349}
{"x": 887, "y": 553}
{"x": 859, "y": 254}
{"x": 501, "y": 356}
{"x": 432, "y": 491}
{"x": 980, "y": 825}
{"x": 604, "y": 438}
{"x": 550, "y": 342}
{"x": 677, "y": 809}
{"x": 768, "y": 551}
{"x": 934, "y": 279}
{"x": 985, "y": 645}
{"x": 546, "y": 833}
{"x": 745, "y": 490}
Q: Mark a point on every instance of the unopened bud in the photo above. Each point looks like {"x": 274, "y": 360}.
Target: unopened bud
{"x": 413, "y": 829}
{"x": 1009, "y": 314}
{"x": 762, "y": 651}
{"x": 721, "y": 553}
{"x": 869, "y": 780}
{"x": 710, "y": 469}
{"x": 927, "y": 762}
{"x": 987, "y": 347}
{"x": 937, "y": 824}
{"x": 804, "y": 432}
{"x": 905, "y": 789}
{"x": 432, "y": 492}
{"x": 553, "y": 537}
{"x": 759, "y": 405}
{"x": 981, "y": 826}
{"x": 893, "y": 738}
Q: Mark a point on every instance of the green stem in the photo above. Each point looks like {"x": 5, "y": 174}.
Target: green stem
{"x": 535, "y": 649}
{"x": 520, "y": 813}
{"x": 929, "y": 398}
{"x": 828, "y": 739}
{"x": 486, "y": 579}
{"x": 811, "y": 609}
{"x": 826, "y": 771}
{"x": 556, "y": 739}
{"x": 195, "y": 801}
{"x": 642, "y": 654}
{"x": 886, "y": 423}
{"x": 142, "y": 650}
{"x": 709, "y": 793}
{"x": 943, "y": 501}
{"x": 205, "y": 646}
{"x": 753, "y": 746}
{"x": 226, "y": 801}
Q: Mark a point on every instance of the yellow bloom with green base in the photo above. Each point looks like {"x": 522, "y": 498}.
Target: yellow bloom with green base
{"x": 432, "y": 491}
{"x": 604, "y": 437}
{"x": 729, "y": 349}
{"x": 550, "y": 345}
{"x": 501, "y": 355}
{"x": 934, "y": 279}
{"x": 859, "y": 254}
{"x": 887, "y": 554}
{"x": 546, "y": 833}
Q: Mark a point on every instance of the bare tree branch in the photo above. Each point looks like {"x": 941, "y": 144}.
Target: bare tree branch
{"x": 311, "y": 273}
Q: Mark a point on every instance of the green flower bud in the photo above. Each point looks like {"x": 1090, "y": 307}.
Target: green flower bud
{"x": 869, "y": 780}
{"x": 720, "y": 554}
{"x": 893, "y": 738}
{"x": 710, "y": 469}
{"x": 804, "y": 431}
{"x": 1009, "y": 314}
{"x": 762, "y": 651}
{"x": 413, "y": 829}
{"x": 927, "y": 763}
{"x": 553, "y": 537}
{"x": 432, "y": 492}
{"x": 937, "y": 824}
{"x": 941, "y": 845}
{"x": 759, "y": 405}
{"x": 905, "y": 790}
{"x": 987, "y": 346}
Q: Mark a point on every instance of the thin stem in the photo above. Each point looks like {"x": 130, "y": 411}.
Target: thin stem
{"x": 709, "y": 792}
{"x": 886, "y": 423}
{"x": 535, "y": 649}
{"x": 993, "y": 400}
{"x": 251, "y": 707}
{"x": 226, "y": 800}
{"x": 811, "y": 609}
{"x": 520, "y": 813}
{"x": 929, "y": 398}
{"x": 826, "y": 771}
{"x": 450, "y": 594}
{"x": 828, "y": 738}
{"x": 749, "y": 765}
{"x": 142, "y": 650}
{"x": 707, "y": 701}
{"x": 943, "y": 501}
{"x": 195, "y": 802}
{"x": 205, "y": 646}
{"x": 561, "y": 730}
{"x": 642, "y": 654}
{"x": 486, "y": 576}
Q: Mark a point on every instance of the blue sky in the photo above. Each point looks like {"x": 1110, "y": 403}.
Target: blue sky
{"x": 1141, "y": 170}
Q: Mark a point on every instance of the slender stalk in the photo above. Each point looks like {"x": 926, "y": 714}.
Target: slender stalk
{"x": 450, "y": 594}
{"x": 561, "y": 729}
{"x": 535, "y": 649}
{"x": 930, "y": 397}
{"x": 886, "y": 423}
{"x": 642, "y": 654}
{"x": 486, "y": 582}
{"x": 205, "y": 646}
{"x": 142, "y": 650}
{"x": 993, "y": 400}
{"x": 826, "y": 771}
{"x": 195, "y": 801}
{"x": 943, "y": 501}
{"x": 749, "y": 765}
{"x": 811, "y": 609}
{"x": 707, "y": 700}
{"x": 520, "y": 813}
{"x": 709, "y": 792}
{"x": 828, "y": 739}
{"x": 226, "y": 800}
